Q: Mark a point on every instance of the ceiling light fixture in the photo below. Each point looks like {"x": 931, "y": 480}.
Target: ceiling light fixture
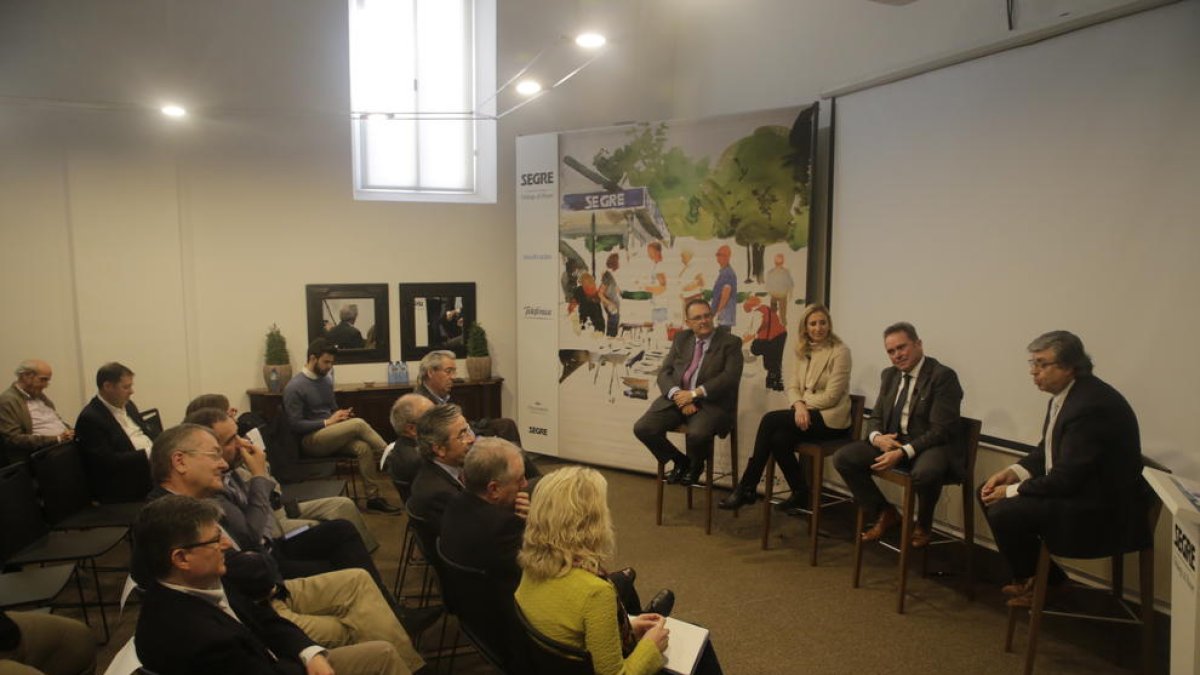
{"x": 590, "y": 40}
{"x": 172, "y": 110}
{"x": 528, "y": 87}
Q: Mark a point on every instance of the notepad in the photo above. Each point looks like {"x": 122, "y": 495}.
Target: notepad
{"x": 684, "y": 646}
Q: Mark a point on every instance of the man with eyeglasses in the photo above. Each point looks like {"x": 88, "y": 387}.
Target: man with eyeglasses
{"x": 444, "y": 438}
{"x": 435, "y": 380}
{"x": 1081, "y": 489}
{"x": 699, "y": 381}
{"x": 335, "y": 608}
{"x": 191, "y": 622}
{"x": 28, "y": 419}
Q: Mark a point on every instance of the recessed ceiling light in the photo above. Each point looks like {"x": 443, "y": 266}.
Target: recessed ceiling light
{"x": 528, "y": 87}
{"x": 172, "y": 110}
{"x": 590, "y": 40}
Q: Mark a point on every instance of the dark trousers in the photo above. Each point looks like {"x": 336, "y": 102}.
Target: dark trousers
{"x": 708, "y": 422}
{"x": 778, "y": 435}
{"x": 771, "y": 352}
{"x": 930, "y": 469}
{"x": 327, "y": 546}
{"x": 1071, "y": 527}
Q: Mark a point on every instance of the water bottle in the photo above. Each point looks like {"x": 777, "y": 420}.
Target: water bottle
{"x": 401, "y": 372}
{"x": 273, "y": 381}
{"x": 392, "y": 373}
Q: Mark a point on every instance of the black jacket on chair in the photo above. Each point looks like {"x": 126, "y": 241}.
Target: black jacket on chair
{"x": 181, "y": 634}
{"x": 117, "y": 471}
{"x": 432, "y": 490}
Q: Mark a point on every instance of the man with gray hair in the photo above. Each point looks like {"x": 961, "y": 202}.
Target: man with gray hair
{"x": 1081, "y": 489}
{"x": 402, "y": 459}
{"x": 28, "y": 419}
{"x": 435, "y": 380}
{"x": 345, "y": 335}
{"x": 444, "y": 437}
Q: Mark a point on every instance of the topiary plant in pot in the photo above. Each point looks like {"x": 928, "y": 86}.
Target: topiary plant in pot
{"x": 278, "y": 363}
{"x": 479, "y": 362}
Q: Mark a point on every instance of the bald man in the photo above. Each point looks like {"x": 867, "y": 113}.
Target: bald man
{"x": 28, "y": 419}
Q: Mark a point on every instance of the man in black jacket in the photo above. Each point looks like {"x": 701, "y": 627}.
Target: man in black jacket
{"x": 191, "y": 623}
{"x": 1081, "y": 490}
{"x": 114, "y": 439}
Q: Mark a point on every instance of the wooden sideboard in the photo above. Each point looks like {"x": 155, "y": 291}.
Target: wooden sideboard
{"x": 374, "y": 404}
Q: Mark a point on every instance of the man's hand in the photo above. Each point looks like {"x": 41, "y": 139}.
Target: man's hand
{"x": 658, "y": 634}
{"x": 319, "y": 665}
{"x": 66, "y": 436}
{"x": 521, "y": 506}
{"x": 643, "y": 622}
{"x": 886, "y": 442}
{"x": 683, "y": 397}
{"x": 995, "y": 488}
{"x": 254, "y": 458}
{"x": 339, "y": 416}
{"x": 689, "y": 410}
{"x": 803, "y": 419}
{"x": 888, "y": 460}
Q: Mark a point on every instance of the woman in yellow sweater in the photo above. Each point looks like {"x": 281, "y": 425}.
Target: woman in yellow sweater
{"x": 563, "y": 591}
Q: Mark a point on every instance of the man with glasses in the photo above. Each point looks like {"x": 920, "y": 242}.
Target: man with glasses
{"x": 435, "y": 380}
{"x": 335, "y": 608}
{"x": 699, "y": 381}
{"x": 191, "y": 622}
{"x": 28, "y": 419}
{"x": 444, "y": 438}
{"x": 1081, "y": 489}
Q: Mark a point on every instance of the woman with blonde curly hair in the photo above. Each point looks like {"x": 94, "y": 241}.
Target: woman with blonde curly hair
{"x": 564, "y": 592}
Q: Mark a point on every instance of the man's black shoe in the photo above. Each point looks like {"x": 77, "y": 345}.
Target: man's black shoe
{"x": 382, "y": 506}
{"x": 662, "y": 603}
{"x": 676, "y": 476}
{"x": 693, "y": 474}
{"x": 416, "y": 620}
{"x": 795, "y": 503}
{"x": 737, "y": 499}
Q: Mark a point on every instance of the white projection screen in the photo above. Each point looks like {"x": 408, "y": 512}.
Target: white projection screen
{"x": 1054, "y": 186}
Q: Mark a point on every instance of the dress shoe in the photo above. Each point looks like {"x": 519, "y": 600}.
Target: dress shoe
{"x": 920, "y": 537}
{"x": 662, "y": 603}
{"x": 1017, "y": 587}
{"x": 692, "y": 477}
{"x": 795, "y": 502}
{"x": 381, "y": 505}
{"x": 737, "y": 499}
{"x": 888, "y": 518}
{"x": 416, "y": 620}
{"x": 629, "y": 574}
{"x": 675, "y": 477}
{"x": 1025, "y": 600}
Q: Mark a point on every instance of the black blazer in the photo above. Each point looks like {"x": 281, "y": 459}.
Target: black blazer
{"x": 432, "y": 491}
{"x": 936, "y": 396}
{"x": 720, "y": 372}
{"x": 478, "y": 534}
{"x": 180, "y": 634}
{"x": 117, "y": 472}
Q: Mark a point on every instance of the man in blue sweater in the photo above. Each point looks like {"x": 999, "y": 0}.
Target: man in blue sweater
{"x": 326, "y": 430}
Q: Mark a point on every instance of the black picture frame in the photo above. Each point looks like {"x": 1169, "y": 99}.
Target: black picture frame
{"x": 325, "y": 303}
{"x": 420, "y": 333}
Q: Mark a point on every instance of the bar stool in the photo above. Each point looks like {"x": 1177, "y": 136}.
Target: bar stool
{"x": 709, "y": 477}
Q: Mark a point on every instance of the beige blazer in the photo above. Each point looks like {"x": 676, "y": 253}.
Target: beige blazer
{"x": 822, "y": 382}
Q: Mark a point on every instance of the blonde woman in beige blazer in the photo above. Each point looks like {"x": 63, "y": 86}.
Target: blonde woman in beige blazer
{"x": 820, "y": 408}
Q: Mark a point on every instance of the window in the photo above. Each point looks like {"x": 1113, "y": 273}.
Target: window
{"x": 422, "y": 73}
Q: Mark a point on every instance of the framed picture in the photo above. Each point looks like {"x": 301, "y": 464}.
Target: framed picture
{"x": 435, "y": 316}
{"x": 354, "y": 317}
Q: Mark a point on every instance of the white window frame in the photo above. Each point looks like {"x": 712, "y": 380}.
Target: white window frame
{"x": 484, "y": 156}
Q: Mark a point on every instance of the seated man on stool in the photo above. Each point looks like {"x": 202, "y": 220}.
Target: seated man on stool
{"x": 699, "y": 381}
{"x": 324, "y": 429}
{"x": 911, "y": 426}
{"x": 1081, "y": 490}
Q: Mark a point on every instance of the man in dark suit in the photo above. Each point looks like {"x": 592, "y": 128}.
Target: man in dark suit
{"x": 435, "y": 380}
{"x": 402, "y": 460}
{"x": 699, "y": 381}
{"x": 115, "y": 439}
{"x": 444, "y": 437}
{"x": 1081, "y": 490}
{"x": 911, "y": 426}
{"x": 191, "y": 623}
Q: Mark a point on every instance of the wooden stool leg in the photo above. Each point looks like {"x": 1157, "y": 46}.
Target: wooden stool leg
{"x": 814, "y": 516}
{"x": 733, "y": 459}
{"x": 1039, "y": 602}
{"x": 661, "y": 478}
{"x": 1012, "y": 625}
{"x": 1146, "y": 575}
{"x": 708, "y": 493}
{"x": 906, "y": 528}
{"x": 969, "y": 540}
{"x": 1118, "y": 576}
{"x": 768, "y": 493}
{"x": 858, "y": 528}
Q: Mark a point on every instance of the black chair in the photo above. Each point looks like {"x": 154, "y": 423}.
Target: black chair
{"x": 408, "y": 545}
{"x": 966, "y": 439}
{"x": 37, "y": 586}
{"x": 283, "y": 452}
{"x": 66, "y": 500}
{"x": 25, "y": 539}
{"x": 425, "y": 539}
{"x": 1144, "y": 617}
{"x": 551, "y": 657}
{"x": 485, "y": 614}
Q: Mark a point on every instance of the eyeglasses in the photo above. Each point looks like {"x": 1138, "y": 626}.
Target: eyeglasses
{"x": 1038, "y": 364}
{"x": 215, "y": 541}
{"x": 701, "y": 317}
{"x": 211, "y": 454}
{"x": 451, "y": 371}
{"x": 464, "y": 435}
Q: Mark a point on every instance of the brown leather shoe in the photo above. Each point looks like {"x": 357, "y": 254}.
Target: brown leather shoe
{"x": 1018, "y": 587}
{"x": 1025, "y": 600}
{"x": 888, "y": 518}
{"x": 920, "y": 537}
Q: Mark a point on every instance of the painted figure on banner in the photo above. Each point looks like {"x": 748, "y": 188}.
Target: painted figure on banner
{"x": 767, "y": 339}
{"x": 724, "y": 292}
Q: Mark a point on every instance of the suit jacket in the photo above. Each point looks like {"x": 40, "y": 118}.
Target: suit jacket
{"x": 424, "y": 391}
{"x": 935, "y": 396}
{"x": 485, "y": 536}
{"x": 432, "y": 491}
{"x": 180, "y": 634}
{"x": 16, "y": 426}
{"x": 720, "y": 372}
{"x": 117, "y": 472}
{"x": 822, "y": 382}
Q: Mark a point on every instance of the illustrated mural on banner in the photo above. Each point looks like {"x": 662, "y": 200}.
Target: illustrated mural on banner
{"x": 653, "y": 215}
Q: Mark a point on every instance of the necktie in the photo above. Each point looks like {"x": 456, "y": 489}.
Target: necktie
{"x": 686, "y": 383}
{"x": 898, "y": 409}
{"x": 1055, "y": 406}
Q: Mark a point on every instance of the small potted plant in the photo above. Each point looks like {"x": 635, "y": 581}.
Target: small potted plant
{"x": 278, "y": 368}
{"x": 479, "y": 363}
